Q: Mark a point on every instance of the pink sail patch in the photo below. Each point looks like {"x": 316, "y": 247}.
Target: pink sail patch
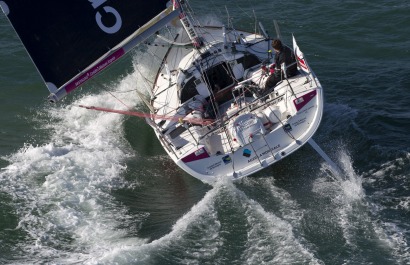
{"x": 300, "y": 102}
{"x": 95, "y": 70}
{"x": 197, "y": 155}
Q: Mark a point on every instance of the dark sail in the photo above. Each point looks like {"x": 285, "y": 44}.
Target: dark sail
{"x": 65, "y": 37}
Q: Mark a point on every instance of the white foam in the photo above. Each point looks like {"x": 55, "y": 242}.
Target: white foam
{"x": 358, "y": 214}
{"x": 394, "y": 238}
{"x": 271, "y": 238}
{"x": 210, "y": 20}
{"x": 201, "y": 215}
{"x": 199, "y": 235}
{"x": 62, "y": 189}
{"x": 404, "y": 204}
{"x": 288, "y": 208}
{"x": 347, "y": 195}
{"x": 392, "y": 233}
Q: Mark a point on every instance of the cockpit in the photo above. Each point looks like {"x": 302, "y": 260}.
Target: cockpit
{"x": 218, "y": 79}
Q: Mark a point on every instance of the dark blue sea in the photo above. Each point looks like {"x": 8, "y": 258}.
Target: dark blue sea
{"x": 84, "y": 187}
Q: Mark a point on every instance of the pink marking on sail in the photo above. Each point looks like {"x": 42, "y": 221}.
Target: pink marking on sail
{"x": 95, "y": 70}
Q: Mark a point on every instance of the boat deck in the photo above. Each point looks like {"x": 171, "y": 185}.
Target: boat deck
{"x": 254, "y": 128}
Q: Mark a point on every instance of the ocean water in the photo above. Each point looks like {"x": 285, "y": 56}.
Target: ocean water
{"x": 84, "y": 187}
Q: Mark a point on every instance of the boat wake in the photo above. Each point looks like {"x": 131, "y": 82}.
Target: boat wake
{"x": 62, "y": 195}
{"x": 205, "y": 233}
{"x": 275, "y": 235}
{"x": 61, "y": 190}
{"x": 359, "y": 218}
{"x": 63, "y": 200}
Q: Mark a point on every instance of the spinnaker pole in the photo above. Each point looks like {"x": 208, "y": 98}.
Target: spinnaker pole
{"x": 333, "y": 167}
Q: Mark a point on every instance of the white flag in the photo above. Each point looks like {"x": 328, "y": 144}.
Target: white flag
{"x": 300, "y": 57}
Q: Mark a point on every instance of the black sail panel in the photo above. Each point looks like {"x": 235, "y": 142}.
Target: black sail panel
{"x": 65, "y": 37}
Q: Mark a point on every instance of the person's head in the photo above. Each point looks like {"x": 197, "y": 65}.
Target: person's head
{"x": 277, "y": 45}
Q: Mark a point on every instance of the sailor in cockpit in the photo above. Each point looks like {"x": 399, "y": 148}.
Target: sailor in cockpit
{"x": 283, "y": 54}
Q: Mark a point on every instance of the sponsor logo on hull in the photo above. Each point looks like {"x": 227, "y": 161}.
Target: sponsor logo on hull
{"x": 247, "y": 152}
{"x": 303, "y": 100}
{"x": 227, "y": 159}
{"x": 197, "y": 155}
{"x": 264, "y": 153}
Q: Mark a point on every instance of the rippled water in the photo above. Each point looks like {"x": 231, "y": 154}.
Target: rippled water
{"x": 78, "y": 186}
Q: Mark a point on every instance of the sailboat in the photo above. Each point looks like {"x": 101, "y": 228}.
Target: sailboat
{"x": 209, "y": 105}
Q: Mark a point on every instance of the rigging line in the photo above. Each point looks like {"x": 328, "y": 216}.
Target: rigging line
{"x": 207, "y": 81}
{"x": 150, "y": 115}
{"x": 256, "y": 21}
{"x": 168, "y": 29}
{"x": 146, "y": 80}
{"x": 155, "y": 57}
{"x": 218, "y": 9}
{"x": 178, "y": 52}
{"x": 174, "y": 62}
{"x": 161, "y": 63}
{"x": 160, "y": 45}
{"x": 186, "y": 10}
{"x": 212, "y": 95}
{"x": 109, "y": 92}
{"x": 173, "y": 42}
{"x": 229, "y": 17}
{"x": 240, "y": 8}
{"x": 229, "y": 71}
{"x": 127, "y": 91}
{"x": 196, "y": 23}
{"x": 191, "y": 11}
{"x": 168, "y": 95}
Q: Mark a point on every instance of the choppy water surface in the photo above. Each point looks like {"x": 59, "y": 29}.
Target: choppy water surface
{"x": 78, "y": 186}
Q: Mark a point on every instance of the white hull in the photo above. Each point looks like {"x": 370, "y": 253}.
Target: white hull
{"x": 249, "y": 132}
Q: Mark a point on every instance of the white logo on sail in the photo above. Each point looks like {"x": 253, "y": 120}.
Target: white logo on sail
{"x": 108, "y": 9}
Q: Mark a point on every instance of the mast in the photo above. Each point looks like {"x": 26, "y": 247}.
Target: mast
{"x": 188, "y": 25}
